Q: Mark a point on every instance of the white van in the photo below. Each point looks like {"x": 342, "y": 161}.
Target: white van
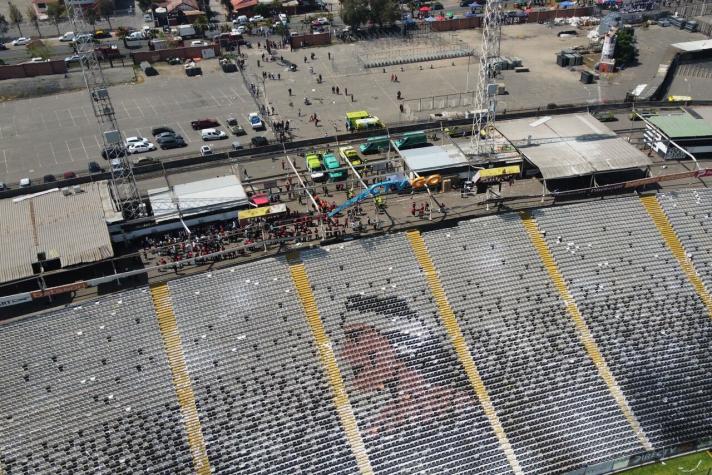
{"x": 283, "y": 18}
{"x": 116, "y": 166}
{"x": 241, "y": 20}
{"x": 68, "y": 36}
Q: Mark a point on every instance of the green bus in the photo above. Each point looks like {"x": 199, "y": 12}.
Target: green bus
{"x": 410, "y": 140}
{"x": 374, "y": 145}
{"x": 333, "y": 167}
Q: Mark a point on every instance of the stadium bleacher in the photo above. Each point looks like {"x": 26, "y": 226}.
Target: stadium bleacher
{"x": 650, "y": 324}
{"x": 90, "y": 388}
{"x": 553, "y": 404}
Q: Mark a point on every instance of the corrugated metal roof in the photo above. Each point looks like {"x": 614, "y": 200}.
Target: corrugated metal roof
{"x": 572, "y": 145}
{"x": 681, "y": 126}
{"x": 693, "y": 46}
{"x": 197, "y": 196}
{"x": 71, "y": 228}
{"x": 432, "y": 158}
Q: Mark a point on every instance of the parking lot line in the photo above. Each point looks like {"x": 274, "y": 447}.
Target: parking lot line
{"x": 213, "y": 98}
{"x": 139, "y": 108}
{"x": 83, "y": 147}
{"x": 54, "y": 155}
{"x": 152, "y": 108}
{"x": 4, "y": 157}
{"x": 1, "y": 135}
{"x": 185, "y": 136}
{"x": 128, "y": 116}
{"x": 71, "y": 157}
{"x": 71, "y": 116}
{"x": 97, "y": 142}
{"x": 59, "y": 121}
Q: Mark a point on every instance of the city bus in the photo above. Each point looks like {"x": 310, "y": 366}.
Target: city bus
{"x": 410, "y": 140}
{"x": 375, "y": 145}
{"x": 333, "y": 167}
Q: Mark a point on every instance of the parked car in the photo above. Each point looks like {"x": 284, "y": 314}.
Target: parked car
{"x": 175, "y": 141}
{"x": 259, "y": 141}
{"x": 144, "y": 161}
{"x": 21, "y": 41}
{"x": 141, "y": 147}
{"x": 75, "y": 58}
{"x": 38, "y": 59}
{"x": 236, "y": 145}
{"x": 321, "y": 21}
{"x": 117, "y": 168}
{"x": 3, "y": 186}
{"x": 350, "y": 154}
{"x": 167, "y": 136}
{"x": 199, "y": 43}
{"x": 135, "y": 139}
{"x": 102, "y": 34}
{"x": 2, "y": 47}
{"x": 114, "y": 152}
{"x": 256, "y": 18}
{"x": 212, "y": 134}
{"x": 283, "y": 18}
{"x": 68, "y": 175}
{"x": 68, "y": 36}
{"x": 234, "y": 127}
{"x": 206, "y": 150}
{"x": 49, "y": 179}
{"x": 256, "y": 121}
{"x": 95, "y": 168}
{"x": 204, "y": 124}
{"x": 25, "y": 182}
{"x": 161, "y": 129}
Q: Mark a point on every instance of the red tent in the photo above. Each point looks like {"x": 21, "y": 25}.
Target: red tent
{"x": 424, "y": 9}
{"x": 260, "y": 199}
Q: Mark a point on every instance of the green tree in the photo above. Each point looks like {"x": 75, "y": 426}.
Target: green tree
{"x": 201, "y": 23}
{"x": 39, "y": 50}
{"x": 4, "y": 25}
{"x": 15, "y": 16}
{"x": 263, "y": 9}
{"x": 383, "y": 11}
{"x": 55, "y": 13}
{"x": 104, "y": 9}
{"x": 145, "y": 5}
{"x": 122, "y": 32}
{"x": 354, "y": 12}
{"x": 626, "y": 51}
{"x": 32, "y": 18}
{"x": 91, "y": 17}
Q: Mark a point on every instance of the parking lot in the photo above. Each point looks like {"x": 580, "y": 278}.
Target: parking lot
{"x": 58, "y": 133}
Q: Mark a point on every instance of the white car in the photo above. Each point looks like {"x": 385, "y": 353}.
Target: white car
{"x": 283, "y": 18}
{"x": 141, "y": 147}
{"x": 135, "y": 140}
{"x": 68, "y": 36}
{"x": 256, "y": 18}
{"x": 321, "y": 21}
{"x": 206, "y": 150}
{"x": 240, "y": 30}
{"x": 25, "y": 182}
{"x": 212, "y": 134}
{"x": 256, "y": 121}
{"x": 199, "y": 43}
{"x": 38, "y": 60}
{"x": 20, "y": 41}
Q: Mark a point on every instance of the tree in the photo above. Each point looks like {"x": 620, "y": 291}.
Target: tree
{"x": 32, "y": 18}
{"x": 105, "y": 8}
{"x": 15, "y": 16}
{"x": 122, "y": 32}
{"x": 55, "y": 13}
{"x": 39, "y": 50}
{"x": 4, "y": 25}
{"x": 263, "y": 9}
{"x": 145, "y": 5}
{"x": 383, "y": 11}
{"x": 626, "y": 52}
{"x": 91, "y": 17}
{"x": 228, "y": 7}
{"x": 354, "y": 12}
{"x": 201, "y": 23}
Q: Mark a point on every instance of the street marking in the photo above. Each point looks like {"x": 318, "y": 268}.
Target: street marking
{"x": 97, "y": 141}
{"x": 213, "y": 98}
{"x": 185, "y": 136}
{"x": 4, "y": 157}
{"x": 71, "y": 157}
{"x": 153, "y": 109}
{"x": 71, "y": 116}
{"x": 227, "y": 98}
{"x": 54, "y": 155}
{"x": 128, "y": 116}
{"x": 84, "y": 148}
{"x": 59, "y": 121}
{"x": 1, "y": 134}
{"x": 139, "y": 108}
{"x": 237, "y": 94}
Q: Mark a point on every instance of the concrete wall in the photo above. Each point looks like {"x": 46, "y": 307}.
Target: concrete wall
{"x": 457, "y": 24}
{"x": 549, "y": 15}
{"x": 163, "y": 54}
{"x": 29, "y": 70}
{"x": 315, "y": 39}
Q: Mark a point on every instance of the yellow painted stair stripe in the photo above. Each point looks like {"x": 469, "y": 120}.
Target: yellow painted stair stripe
{"x": 181, "y": 380}
{"x": 652, "y": 206}
{"x": 585, "y": 335}
{"x": 458, "y": 341}
{"x": 328, "y": 360}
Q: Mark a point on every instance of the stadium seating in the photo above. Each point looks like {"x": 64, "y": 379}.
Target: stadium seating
{"x": 87, "y": 389}
{"x": 651, "y": 326}
{"x": 554, "y": 406}
{"x": 690, "y": 213}
{"x": 263, "y": 400}
{"x": 413, "y": 403}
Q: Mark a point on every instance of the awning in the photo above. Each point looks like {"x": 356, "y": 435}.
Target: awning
{"x": 424, "y": 9}
{"x": 494, "y": 175}
{"x": 262, "y": 211}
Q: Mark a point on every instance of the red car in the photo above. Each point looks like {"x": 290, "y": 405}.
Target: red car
{"x": 201, "y": 124}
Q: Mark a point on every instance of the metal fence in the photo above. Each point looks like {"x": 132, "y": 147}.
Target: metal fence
{"x": 446, "y": 101}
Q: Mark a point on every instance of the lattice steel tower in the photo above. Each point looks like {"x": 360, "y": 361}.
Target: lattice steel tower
{"x": 486, "y": 93}
{"x": 123, "y": 184}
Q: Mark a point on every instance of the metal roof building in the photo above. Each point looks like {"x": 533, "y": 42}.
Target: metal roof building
{"x": 572, "y": 145}
{"x": 67, "y": 226}
{"x": 434, "y": 158}
{"x": 681, "y": 126}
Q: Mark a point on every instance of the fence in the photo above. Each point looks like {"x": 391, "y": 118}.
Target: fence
{"x": 443, "y": 102}
{"x": 29, "y": 70}
{"x": 313, "y": 39}
{"x": 162, "y": 54}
